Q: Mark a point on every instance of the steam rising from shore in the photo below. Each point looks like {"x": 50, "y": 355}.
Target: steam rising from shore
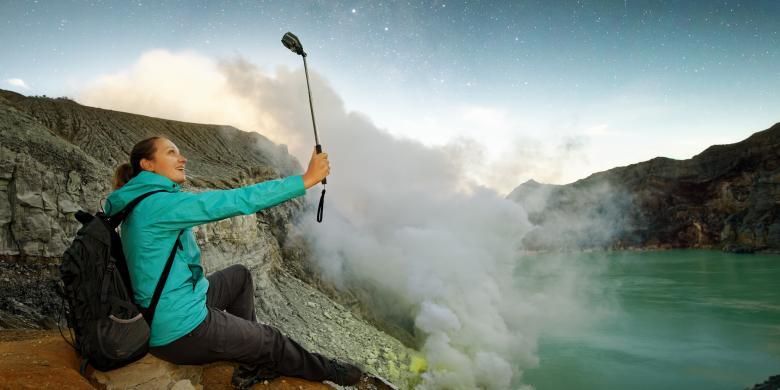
{"x": 400, "y": 218}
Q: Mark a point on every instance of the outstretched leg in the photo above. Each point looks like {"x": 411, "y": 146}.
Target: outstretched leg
{"x": 223, "y": 336}
{"x": 231, "y": 332}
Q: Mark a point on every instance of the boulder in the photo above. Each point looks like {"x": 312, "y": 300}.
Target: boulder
{"x": 149, "y": 373}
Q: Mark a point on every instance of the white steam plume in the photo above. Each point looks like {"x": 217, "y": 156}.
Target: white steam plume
{"x": 400, "y": 217}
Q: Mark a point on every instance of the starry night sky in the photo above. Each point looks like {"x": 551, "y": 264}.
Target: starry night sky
{"x": 615, "y": 82}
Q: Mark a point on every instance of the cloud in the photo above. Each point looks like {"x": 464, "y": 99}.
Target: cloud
{"x": 183, "y": 86}
{"x": 600, "y": 129}
{"x": 403, "y": 221}
{"x": 19, "y": 83}
{"x": 484, "y": 116}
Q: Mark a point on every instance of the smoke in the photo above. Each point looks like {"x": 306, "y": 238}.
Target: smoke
{"x": 401, "y": 219}
{"x": 583, "y": 215}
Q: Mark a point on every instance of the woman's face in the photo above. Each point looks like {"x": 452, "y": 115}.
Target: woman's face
{"x": 166, "y": 161}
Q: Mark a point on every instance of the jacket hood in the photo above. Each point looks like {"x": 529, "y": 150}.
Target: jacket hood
{"x": 144, "y": 182}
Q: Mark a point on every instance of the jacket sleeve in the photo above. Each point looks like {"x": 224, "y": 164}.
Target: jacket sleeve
{"x": 181, "y": 210}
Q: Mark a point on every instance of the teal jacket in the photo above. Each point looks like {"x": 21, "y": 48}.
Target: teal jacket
{"x": 150, "y": 231}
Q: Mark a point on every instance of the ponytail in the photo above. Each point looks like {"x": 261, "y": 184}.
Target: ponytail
{"x": 144, "y": 149}
{"x": 122, "y": 175}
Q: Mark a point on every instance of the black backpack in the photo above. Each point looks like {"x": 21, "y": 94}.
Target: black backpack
{"x": 96, "y": 285}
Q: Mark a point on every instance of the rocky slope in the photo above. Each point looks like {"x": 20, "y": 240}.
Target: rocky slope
{"x": 57, "y": 157}
{"x": 726, "y": 197}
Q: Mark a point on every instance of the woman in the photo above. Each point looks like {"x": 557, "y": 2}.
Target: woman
{"x": 205, "y": 319}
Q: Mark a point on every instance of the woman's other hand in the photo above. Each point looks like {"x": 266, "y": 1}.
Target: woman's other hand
{"x": 319, "y": 168}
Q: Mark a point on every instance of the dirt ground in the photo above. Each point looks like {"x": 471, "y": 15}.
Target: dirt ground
{"x": 37, "y": 359}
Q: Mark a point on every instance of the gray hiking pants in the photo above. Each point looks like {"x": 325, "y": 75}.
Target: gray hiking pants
{"x": 231, "y": 332}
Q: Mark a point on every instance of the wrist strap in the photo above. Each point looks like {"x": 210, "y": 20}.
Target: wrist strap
{"x": 321, "y": 206}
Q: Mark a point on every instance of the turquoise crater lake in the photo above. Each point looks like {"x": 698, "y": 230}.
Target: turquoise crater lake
{"x": 683, "y": 319}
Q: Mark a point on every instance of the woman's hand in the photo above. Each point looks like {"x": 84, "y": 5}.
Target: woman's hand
{"x": 319, "y": 168}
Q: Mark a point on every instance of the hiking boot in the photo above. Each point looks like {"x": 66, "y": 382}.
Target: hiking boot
{"x": 245, "y": 377}
{"x": 345, "y": 374}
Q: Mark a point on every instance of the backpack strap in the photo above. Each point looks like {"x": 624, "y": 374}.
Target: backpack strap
{"x": 149, "y": 312}
{"x": 117, "y": 218}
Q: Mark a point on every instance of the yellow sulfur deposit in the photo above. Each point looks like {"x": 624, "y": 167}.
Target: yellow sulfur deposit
{"x": 418, "y": 364}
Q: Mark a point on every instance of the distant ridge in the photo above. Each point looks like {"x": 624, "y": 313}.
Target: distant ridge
{"x": 726, "y": 197}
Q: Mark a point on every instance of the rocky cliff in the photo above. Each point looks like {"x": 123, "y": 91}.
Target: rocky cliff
{"x": 57, "y": 157}
{"x": 726, "y": 197}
